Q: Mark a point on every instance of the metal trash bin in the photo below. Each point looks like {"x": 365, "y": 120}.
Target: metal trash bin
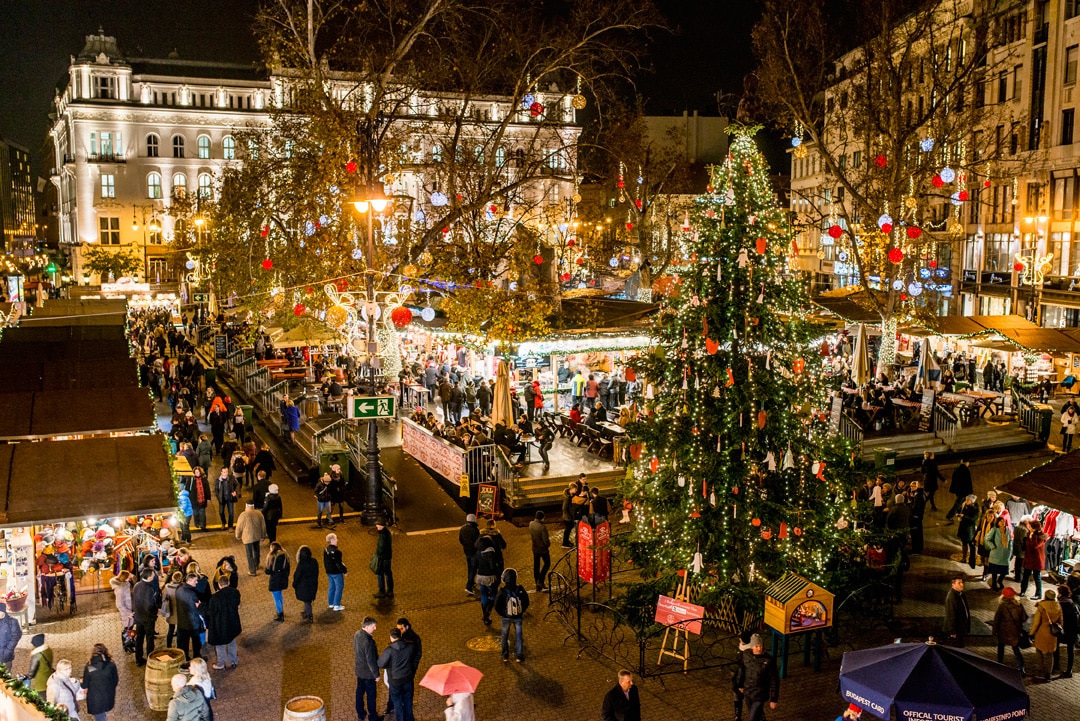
{"x": 1044, "y": 416}
{"x": 885, "y": 460}
{"x": 211, "y": 377}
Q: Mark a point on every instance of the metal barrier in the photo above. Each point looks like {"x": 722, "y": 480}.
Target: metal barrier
{"x": 272, "y": 396}
{"x": 255, "y": 382}
{"x": 503, "y": 474}
{"x": 338, "y": 431}
{"x": 1025, "y": 410}
{"x": 232, "y": 360}
{"x": 851, "y": 430}
{"x": 945, "y": 424}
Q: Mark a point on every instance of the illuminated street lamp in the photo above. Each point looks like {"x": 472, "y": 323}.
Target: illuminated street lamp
{"x": 368, "y": 202}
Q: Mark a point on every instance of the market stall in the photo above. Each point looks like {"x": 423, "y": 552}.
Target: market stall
{"x": 1051, "y": 490}
{"x": 57, "y": 497}
{"x": 66, "y": 414}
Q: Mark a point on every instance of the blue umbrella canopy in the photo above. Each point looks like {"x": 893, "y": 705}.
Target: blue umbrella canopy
{"x": 919, "y": 681}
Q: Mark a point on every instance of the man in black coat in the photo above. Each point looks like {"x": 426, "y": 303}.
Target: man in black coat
{"x": 397, "y": 660}
{"x": 758, "y": 680}
{"x": 145, "y": 603}
{"x": 467, "y": 537}
{"x": 961, "y": 487}
{"x": 622, "y": 703}
{"x": 416, "y": 650}
{"x": 366, "y": 668}
{"x": 189, "y": 621}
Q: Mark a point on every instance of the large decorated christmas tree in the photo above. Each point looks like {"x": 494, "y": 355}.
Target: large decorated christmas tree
{"x": 732, "y": 458}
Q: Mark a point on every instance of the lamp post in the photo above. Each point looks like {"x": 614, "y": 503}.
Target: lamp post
{"x": 368, "y": 202}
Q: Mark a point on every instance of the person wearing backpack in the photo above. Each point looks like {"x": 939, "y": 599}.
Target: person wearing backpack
{"x": 323, "y": 497}
{"x": 511, "y": 603}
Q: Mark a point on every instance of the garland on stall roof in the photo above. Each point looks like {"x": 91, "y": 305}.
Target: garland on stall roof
{"x": 20, "y": 690}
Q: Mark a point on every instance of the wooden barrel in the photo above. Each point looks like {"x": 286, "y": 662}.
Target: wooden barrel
{"x": 161, "y": 666}
{"x": 305, "y": 708}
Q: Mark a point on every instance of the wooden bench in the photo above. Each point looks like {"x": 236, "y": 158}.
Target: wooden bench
{"x": 282, "y": 375}
{"x": 273, "y": 363}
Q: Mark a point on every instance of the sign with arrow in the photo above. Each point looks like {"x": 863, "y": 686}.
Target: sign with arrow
{"x": 200, "y": 297}
{"x": 369, "y": 408}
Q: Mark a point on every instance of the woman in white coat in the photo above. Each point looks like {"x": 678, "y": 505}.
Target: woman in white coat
{"x": 62, "y": 690}
{"x": 459, "y": 707}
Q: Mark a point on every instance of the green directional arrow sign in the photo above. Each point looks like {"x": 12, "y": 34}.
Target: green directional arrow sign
{"x": 366, "y": 408}
{"x": 200, "y": 297}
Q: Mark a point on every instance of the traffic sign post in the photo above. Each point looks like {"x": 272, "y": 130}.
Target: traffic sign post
{"x": 370, "y": 408}
{"x": 200, "y": 297}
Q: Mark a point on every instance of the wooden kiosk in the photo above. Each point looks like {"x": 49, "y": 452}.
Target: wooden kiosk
{"x": 795, "y": 605}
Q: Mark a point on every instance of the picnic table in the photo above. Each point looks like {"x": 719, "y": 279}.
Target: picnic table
{"x": 905, "y": 412}
{"x": 613, "y": 429}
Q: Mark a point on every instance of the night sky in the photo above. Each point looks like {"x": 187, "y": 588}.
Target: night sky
{"x": 709, "y": 53}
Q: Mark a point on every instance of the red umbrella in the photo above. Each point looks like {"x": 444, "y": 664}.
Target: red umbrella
{"x": 454, "y": 677}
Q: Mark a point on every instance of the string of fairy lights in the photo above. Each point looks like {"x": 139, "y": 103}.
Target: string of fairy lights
{"x": 730, "y": 475}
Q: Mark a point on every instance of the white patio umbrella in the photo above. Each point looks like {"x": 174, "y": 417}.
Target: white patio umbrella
{"x": 860, "y": 369}
{"x": 501, "y": 411}
{"x": 929, "y": 370}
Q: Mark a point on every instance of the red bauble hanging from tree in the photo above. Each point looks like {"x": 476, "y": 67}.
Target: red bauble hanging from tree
{"x": 914, "y": 232}
{"x": 401, "y": 316}
{"x": 881, "y": 161}
{"x": 896, "y": 255}
{"x": 835, "y": 231}
{"x": 267, "y": 264}
{"x": 299, "y": 309}
{"x": 538, "y": 259}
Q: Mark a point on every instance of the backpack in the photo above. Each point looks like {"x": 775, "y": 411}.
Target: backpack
{"x": 513, "y": 603}
{"x": 238, "y": 465}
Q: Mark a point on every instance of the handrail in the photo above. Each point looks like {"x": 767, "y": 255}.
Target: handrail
{"x": 504, "y": 475}
{"x": 850, "y": 429}
{"x": 255, "y": 381}
{"x": 945, "y": 424}
{"x": 272, "y": 396}
{"x": 338, "y": 430}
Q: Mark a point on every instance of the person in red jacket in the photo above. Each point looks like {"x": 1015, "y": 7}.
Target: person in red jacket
{"x": 1034, "y": 557}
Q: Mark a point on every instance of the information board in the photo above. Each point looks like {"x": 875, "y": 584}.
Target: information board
{"x": 221, "y": 346}
{"x": 680, "y": 614}
{"x": 585, "y": 551}
{"x": 834, "y": 415}
{"x": 486, "y": 496}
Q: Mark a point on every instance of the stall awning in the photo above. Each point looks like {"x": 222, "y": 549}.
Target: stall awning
{"x": 1046, "y": 340}
{"x": 958, "y": 325}
{"x": 19, "y": 375}
{"x": 92, "y": 478}
{"x": 847, "y": 309}
{"x": 88, "y": 350}
{"x": 1055, "y": 484}
{"x": 1000, "y": 322}
{"x": 56, "y": 333}
{"x": 92, "y": 411}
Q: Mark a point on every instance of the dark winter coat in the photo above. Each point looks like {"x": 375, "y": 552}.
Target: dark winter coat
{"x": 145, "y": 602}
{"x": 306, "y": 579}
{"x": 757, "y": 676}
{"x": 397, "y": 660}
{"x": 188, "y": 617}
{"x": 271, "y": 509}
{"x": 278, "y": 573}
{"x": 223, "y": 617}
{"x": 384, "y": 546}
{"x": 258, "y": 494}
{"x": 618, "y": 707}
{"x": 957, "y": 615}
{"x": 1009, "y": 621}
{"x": 932, "y": 474}
{"x": 1069, "y": 620}
{"x": 332, "y": 562}
{"x": 965, "y": 530}
{"x": 467, "y": 536}
{"x": 961, "y": 481}
{"x": 100, "y": 679}
{"x": 264, "y": 461}
{"x": 365, "y": 656}
{"x": 511, "y": 589}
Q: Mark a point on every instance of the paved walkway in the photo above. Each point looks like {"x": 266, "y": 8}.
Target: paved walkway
{"x": 280, "y": 661}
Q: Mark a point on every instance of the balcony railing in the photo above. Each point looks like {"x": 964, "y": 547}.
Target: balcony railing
{"x": 106, "y": 158}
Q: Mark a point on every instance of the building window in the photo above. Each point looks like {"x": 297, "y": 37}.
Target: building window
{"x": 1000, "y": 249}
{"x": 1067, "y": 126}
{"x": 1072, "y": 8}
{"x": 228, "y": 148}
{"x": 1063, "y": 191}
{"x": 856, "y": 159}
{"x": 436, "y": 153}
{"x": 105, "y": 87}
{"x": 1003, "y": 86}
{"x": 204, "y": 147}
{"x": 109, "y": 231}
{"x": 153, "y": 186}
{"x": 179, "y": 185}
{"x": 108, "y": 185}
{"x": 1070, "y": 64}
{"x": 500, "y": 157}
{"x": 478, "y": 154}
{"x": 152, "y": 145}
{"x": 205, "y": 185}
{"x": 178, "y": 146}
{"x": 1018, "y": 81}
{"x": 253, "y": 149}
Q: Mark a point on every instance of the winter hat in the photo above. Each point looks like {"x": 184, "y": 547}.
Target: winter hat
{"x": 272, "y": 489}
{"x": 755, "y": 641}
{"x": 38, "y": 639}
{"x": 1050, "y": 595}
{"x": 471, "y": 518}
{"x": 1008, "y": 592}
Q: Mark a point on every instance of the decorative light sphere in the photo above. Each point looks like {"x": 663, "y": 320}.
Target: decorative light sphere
{"x": 614, "y": 262}
{"x": 896, "y": 255}
{"x": 947, "y": 174}
{"x": 835, "y": 231}
{"x": 915, "y": 289}
{"x": 528, "y": 100}
{"x": 190, "y": 265}
{"x": 267, "y": 264}
{"x": 309, "y": 228}
{"x": 578, "y": 102}
{"x": 538, "y": 259}
{"x": 536, "y": 109}
{"x": 419, "y": 216}
{"x": 350, "y": 167}
{"x": 357, "y": 254}
{"x": 884, "y": 219}
{"x": 898, "y": 284}
{"x": 439, "y": 199}
{"x": 428, "y": 314}
{"x": 926, "y": 144}
{"x": 937, "y": 181}
{"x": 796, "y": 141}
{"x": 914, "y": 232}
{"x": 881, "y": 161}
{"x": 842, "y": 256}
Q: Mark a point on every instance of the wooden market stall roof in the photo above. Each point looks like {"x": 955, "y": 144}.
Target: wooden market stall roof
{"x": 1047, "y": 340}
{"x": 33, "y": 374}
{"x": 91, "y": 478}
{"x": 55, "y": 333}
{"x": 1055, "y": 484}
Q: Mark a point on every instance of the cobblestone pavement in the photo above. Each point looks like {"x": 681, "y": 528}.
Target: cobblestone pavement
{"x": 280, "y": 661}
